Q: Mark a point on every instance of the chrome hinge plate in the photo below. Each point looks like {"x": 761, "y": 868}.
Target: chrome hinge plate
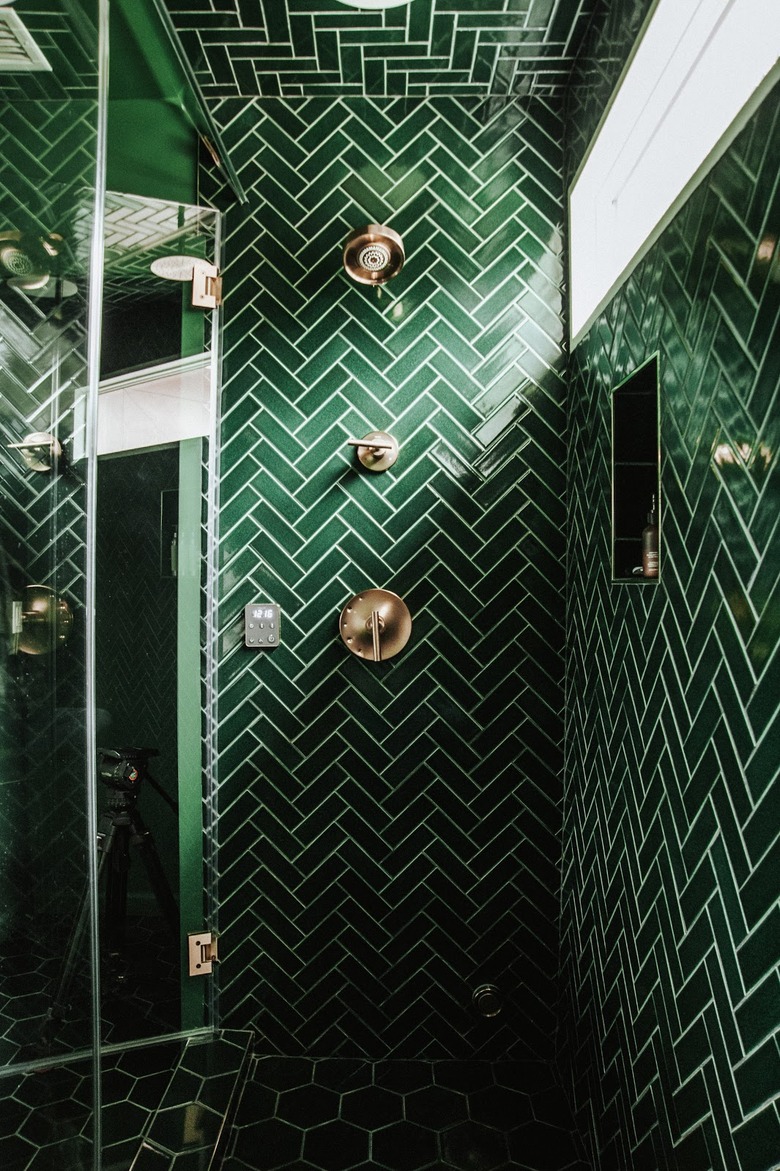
{"x": 203, "y": 953}
{"x": 206, "y": 286}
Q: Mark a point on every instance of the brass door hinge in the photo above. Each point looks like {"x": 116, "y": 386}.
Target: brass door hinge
{"x": 202, "y": 948}
{"x": 206, "y": 286}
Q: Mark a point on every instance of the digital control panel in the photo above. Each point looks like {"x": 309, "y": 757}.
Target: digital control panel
{"x": 262, "y": 625}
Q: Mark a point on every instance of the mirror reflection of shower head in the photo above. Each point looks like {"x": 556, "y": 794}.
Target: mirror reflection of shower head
{"x": 374, "y": 254}
{"x": 27, "y": 259}
{"x": 375, "y": 5}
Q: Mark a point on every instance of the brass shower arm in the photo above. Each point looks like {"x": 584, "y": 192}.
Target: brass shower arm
{"x": 377, "y": 451}
{"x": 40, "y": 451}
{"x": 373, "y": 445}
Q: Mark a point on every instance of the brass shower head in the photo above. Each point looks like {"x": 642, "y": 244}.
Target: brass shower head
{"x": 373, "y": 254}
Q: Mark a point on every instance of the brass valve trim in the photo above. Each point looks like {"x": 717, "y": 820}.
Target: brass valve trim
{"x": 47, "y": 621}
{"x": 375, "y": 625}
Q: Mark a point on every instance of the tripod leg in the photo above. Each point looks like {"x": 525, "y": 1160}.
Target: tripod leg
{"x": 115, "y": 911}
{"x": 59, "y": 1006}
{"x": 142, "y": 839}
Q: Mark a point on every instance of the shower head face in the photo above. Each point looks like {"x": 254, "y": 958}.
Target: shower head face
{"x": 373, "y": 254}
{"x": 27, "y": 259}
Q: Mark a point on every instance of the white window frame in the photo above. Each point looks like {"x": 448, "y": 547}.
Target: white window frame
{"x": 699, "y": 70}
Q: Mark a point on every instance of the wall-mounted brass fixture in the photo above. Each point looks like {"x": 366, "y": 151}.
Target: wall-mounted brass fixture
{"x": 40, "y": 451}
{"x": 206, "y": 281}
{"x": 27, "y": 260}
{"x": 375, "y": 625}
{"x": 487, "y": 1000}
{"x": 374, "y": 254}
{"x": 45, "y": 621}
{"x": 377, "y": 451}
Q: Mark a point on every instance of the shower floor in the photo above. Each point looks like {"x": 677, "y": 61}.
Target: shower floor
{"x": 335, "y": 1113}
{"x": 144, "y": 1002}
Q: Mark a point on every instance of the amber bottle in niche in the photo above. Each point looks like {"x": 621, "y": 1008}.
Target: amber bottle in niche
{"x": 650, "y": 544}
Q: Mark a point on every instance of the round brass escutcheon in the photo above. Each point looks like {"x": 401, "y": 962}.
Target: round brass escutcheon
{"x": 46, "y": 621}
{"x": 487, "y": 1000}
{"x": 375, "y": 624}
{"x": 374, "y": 254}
{"x": 377, "y": 452}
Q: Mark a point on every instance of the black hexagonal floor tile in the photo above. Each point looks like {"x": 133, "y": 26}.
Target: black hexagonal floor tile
{"x": 275, "y": 1142}
{"x": 59, "y": 1121}
{"x": 404, "y": 1146}
{"x": 186, "y": 1127}
{"x": 372, "y": 1107}
{"x": 501, "y": 1107}
{"x": 539, "y": 1146}
{"x": 472, "y": 1147}
{"x": 307, "y": 1106}
{"x": 257, "y": 1103}
{"x": 436, "y": 1107}
{"x": 335, "y": 1146}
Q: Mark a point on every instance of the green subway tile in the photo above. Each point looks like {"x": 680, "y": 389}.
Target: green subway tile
{"x": 755, "y": 1015}
{"x": 757, "y": 1140}
{"x": 758, "y": 1077}
{"x": 411, "y": 348}
{"x": 456, "y": 346}
{"x": 759, "y": 893}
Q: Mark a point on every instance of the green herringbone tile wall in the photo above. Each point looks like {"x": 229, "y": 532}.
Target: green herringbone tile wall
{"x": 389, "y": 835}
{"x": 318, "y": 48}
{"x": 603, "y": 53}
{"x": 670, "y": 911}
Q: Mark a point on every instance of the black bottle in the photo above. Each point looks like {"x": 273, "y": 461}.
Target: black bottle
{"x": 650, "y": 544}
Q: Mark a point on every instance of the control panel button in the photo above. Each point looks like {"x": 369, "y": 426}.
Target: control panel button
{"x": 262, "y": 625}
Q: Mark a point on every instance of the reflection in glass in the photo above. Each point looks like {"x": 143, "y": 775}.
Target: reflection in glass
{"x": 153, "y": 420}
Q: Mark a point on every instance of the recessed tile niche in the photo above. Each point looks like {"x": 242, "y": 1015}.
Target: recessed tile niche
{"x": 636, "y": 486}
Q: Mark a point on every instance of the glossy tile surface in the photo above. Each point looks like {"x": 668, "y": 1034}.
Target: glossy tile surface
{"x": 671, "y": 920}
{"x": 317, "y": 48}
{"x": 388, "y": 834}
{"x": 401, "y": 1115}
{"x": 162, "y": 1103}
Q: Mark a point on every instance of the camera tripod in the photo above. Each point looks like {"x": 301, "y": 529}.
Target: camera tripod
{"x": 121, "y": 826}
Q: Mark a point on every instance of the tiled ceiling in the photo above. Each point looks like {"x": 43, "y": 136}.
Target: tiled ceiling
{"x": 311, "y": 48}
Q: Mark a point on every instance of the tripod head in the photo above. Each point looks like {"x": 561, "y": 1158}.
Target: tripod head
{"x": 123, "y": 769}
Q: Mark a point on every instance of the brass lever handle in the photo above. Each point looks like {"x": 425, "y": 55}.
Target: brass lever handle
{"x": 377, "y": 626}
{"x": 377, "y": 451}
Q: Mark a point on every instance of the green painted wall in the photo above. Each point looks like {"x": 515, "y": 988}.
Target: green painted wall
{"x": 670, "y": 917}
{"x": 152, "y": 143}
{"x": 389, "y": 835}
{"x": 136, "y": 638}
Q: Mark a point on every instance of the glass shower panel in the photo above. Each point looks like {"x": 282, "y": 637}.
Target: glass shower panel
{"x": 50, "y": 143}
{"x": 48, "y": 137}
{"x": 154, "y": 421}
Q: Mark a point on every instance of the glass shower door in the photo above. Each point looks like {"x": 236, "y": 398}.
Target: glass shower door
{"x": 155, "y": 417}
{"x": 51, "y": 149}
